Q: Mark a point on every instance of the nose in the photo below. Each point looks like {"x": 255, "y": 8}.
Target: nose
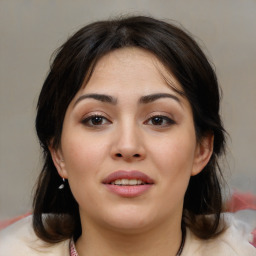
{"x": 128, "y": 144}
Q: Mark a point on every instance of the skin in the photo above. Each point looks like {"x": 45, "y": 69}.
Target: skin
{"x": 156, "y": 138}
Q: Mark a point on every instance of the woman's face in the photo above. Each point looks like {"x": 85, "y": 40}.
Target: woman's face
{"x": 128, "y": 146}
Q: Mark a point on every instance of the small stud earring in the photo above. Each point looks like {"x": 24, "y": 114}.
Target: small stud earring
{"x": 62, "y": 185}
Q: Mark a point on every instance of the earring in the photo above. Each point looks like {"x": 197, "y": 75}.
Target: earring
{"x": 62, "y": 185}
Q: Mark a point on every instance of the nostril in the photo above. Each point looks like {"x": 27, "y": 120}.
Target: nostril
{"x": 135, "y": 155}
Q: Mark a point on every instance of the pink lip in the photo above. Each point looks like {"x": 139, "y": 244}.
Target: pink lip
{"x": 127, "y": 175}
{"x": 128, "y": 191}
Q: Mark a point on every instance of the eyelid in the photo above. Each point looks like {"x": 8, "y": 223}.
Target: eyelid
{"x": 88, "y": 117}
{"x": 170, "y": 120}
{"x": 160, "y": 114}
{"x": 95, "y": 113}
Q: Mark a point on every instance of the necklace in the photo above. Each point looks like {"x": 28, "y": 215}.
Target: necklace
{"x": 183, "y": 238}
{"x": 73, "y": 252}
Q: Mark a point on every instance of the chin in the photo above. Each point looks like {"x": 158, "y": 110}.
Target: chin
{"x": 129, "y": 227}
{"x": 129, "y": 220}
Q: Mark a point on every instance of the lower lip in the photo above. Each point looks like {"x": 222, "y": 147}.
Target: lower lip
{"x": 129, "y": 191}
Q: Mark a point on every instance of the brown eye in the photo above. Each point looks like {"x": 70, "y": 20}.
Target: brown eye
{"x": 95, "y": 120}
{"x": 160, "y": 121}
{"x": 157, "y": 120}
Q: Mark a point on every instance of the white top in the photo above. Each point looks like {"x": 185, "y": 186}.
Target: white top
{"x": 19, "y": 239}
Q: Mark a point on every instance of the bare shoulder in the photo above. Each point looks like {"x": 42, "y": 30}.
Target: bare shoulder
{"x": 20, "y": 239}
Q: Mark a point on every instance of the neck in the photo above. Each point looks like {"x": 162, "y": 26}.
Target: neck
{"x": 163, "y": 240}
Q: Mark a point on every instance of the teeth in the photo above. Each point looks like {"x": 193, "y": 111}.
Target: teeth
{"x": 133, "y": 182}
{"x": 139, "y": 182}
{"x": 126, "y": 182}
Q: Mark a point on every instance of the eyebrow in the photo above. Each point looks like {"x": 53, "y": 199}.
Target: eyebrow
{"x": 153, "y": 97}
{"x": 99, "y": 97}
{"x": 143, "y": 100}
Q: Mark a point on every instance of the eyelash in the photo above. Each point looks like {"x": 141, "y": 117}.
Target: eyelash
{"x": 168, "y": 121}
{"x": 88, "y": 121}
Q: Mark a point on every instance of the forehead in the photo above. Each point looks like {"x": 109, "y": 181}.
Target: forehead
{"x": 129, "y": 66}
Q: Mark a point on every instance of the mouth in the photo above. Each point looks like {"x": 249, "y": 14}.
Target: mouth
{"x": 128, "y": 183}
{"x": 128, "y": 178}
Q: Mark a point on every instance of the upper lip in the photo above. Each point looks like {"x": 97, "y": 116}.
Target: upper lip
{"x": 127, "y": 175}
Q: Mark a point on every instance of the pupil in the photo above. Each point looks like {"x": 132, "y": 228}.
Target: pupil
{"x": 97, "y": 120}
{"x": 157, "y": 120}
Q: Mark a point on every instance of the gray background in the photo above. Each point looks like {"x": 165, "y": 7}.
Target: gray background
{"x": 32, "y": 30}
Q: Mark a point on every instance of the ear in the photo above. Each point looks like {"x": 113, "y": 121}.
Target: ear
{"x": 58, "y": 160}
{"x": 203, "y": 153}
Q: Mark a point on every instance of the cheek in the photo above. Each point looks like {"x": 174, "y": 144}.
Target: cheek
{"x": 175, "y": 164}
{"x": 175, "y": 155}
{"x": 82, "y": 156}
{"x": 83, "y": 160}
{"x": 174, "y": 159}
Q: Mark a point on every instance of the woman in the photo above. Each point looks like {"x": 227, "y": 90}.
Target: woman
{"x": 128, "y": 119}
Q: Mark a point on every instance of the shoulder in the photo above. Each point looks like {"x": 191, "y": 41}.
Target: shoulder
{"x": 234, "y": 241}
{"x": 19, "y": 239}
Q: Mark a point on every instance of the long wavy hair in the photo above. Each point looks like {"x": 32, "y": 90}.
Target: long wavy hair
{"x": 55, "y": 212}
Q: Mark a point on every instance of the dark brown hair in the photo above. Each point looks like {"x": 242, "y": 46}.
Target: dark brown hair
{"x": 56, "y": 213}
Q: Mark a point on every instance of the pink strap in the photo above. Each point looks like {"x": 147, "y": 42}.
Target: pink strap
{"x": 72, "y": 248}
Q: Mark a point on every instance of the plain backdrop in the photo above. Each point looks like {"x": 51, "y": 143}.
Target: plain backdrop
{"x": 30, "y": 30}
